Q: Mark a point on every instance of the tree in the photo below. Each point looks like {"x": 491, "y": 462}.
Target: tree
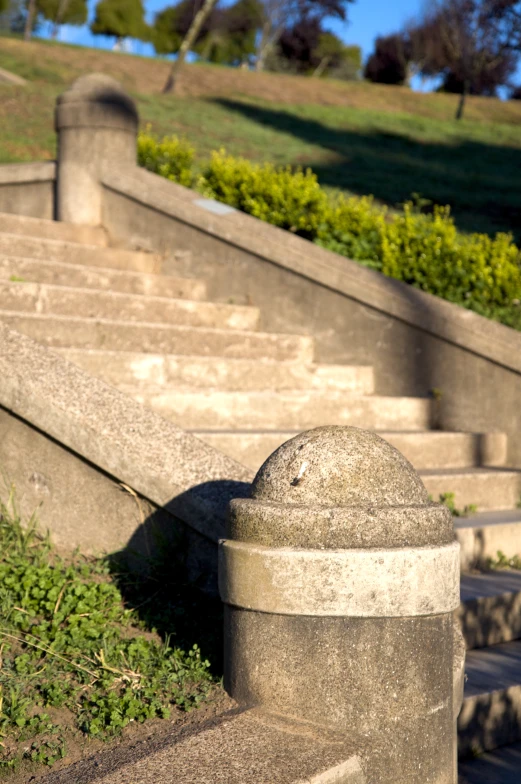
{"x": 233, "y": 38}
{"x": 389, "y": 63}
{"x": 459, "y": 41}
{"x": 196, "y": 28}
{"x": 282, "y": 15}
{"x": 227, "y": 35}
{"x": 306, "y": 48}
{"x": 121, "y": 19}
{"x": 30, "y": 20}
{"x": 73, "y": 12}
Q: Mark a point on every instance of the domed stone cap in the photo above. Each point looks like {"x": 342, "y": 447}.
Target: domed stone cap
{"x": 339, "y": 467}
{"x": 101, "y": 91}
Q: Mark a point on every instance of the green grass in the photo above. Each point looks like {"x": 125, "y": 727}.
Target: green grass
{"x": 473, "y": 165}
{"x": 80, "y": 656}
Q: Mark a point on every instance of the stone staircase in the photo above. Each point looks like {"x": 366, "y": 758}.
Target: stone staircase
{"x": 208, "y": 368}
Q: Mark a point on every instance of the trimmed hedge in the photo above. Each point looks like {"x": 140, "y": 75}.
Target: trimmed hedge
{"x": 476, "y": 271}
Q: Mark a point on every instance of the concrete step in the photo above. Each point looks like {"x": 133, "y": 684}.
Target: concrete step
{"x": 128, "y": 368}
{"x": 491, "y": 713}
{"x": 481, "y": 536}
{"x": 502, "y": 766}
{"x": 74, "y": 253}
{"x": 87, "y": 303}
{"x": 68, "y": 332}
{"x": 299, "y": 410}
{"x": 429, "y": 449}
{"x": 57, "y": 273}
{"x": 487, "y": 488}
{"x": 52, "y": 230}
{"x": 490, "y": 611}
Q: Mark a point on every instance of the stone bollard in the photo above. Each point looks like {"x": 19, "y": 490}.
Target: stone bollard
{"x": 96, "y": 122}
{"x": 340, "y": 579}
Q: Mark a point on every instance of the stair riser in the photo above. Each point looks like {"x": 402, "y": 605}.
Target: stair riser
{"x": 84, "y": 303}
{"x": 116, "y": 336}
{"x": 478, "y": 545}
{"x": 58, "y": 274}
{"x": 70, "y": 253}
{"x": 52, "y": 230}
{"x": 490, "y": 720}
{"x": 424, "y": 450}
{"x": 299, "y": 412}
{"x": 491, "y": 620}
{"x": 214, "y": 373}
{"x": 486, "y": 491}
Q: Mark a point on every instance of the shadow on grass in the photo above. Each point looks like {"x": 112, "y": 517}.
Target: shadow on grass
{"x": 480, "y": 181}
{"x": 167, "y": 572}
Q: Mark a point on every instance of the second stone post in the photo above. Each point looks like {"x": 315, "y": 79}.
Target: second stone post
{"x": 96, "y": 122}
{"x": 339, "y": 579}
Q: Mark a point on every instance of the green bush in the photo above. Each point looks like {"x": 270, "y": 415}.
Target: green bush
{"x": 476, "y": 271}
{"x": 290, "y": 199}
{"x": 169, "y": 157}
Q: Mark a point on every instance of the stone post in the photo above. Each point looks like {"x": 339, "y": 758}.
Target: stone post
{"x": 96, "y": 123}
{"x": 340, "y": 579}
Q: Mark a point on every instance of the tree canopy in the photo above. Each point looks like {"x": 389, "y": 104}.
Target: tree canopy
{"x": 121, "y": 19}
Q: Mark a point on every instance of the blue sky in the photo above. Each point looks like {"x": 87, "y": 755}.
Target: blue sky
{"x": 367, "y": 19}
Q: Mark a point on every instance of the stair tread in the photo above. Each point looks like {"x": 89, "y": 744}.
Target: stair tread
{"x": 502, "y": 766}
{"x": 149, "y": 324}
{"x": 113, "y": 271}
{"x": 60, "y": 300}
{"x": 491, "y": 669}
{"x": 489, "y": 518}
{"x": 24, "y": 225}
{"x": 482, "y": 470}
{"x": 489, "y": 584}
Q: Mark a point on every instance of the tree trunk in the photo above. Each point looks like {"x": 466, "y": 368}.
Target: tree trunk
{"x": 323, "y": 64}
{"x": 189, "y": 39}
{"x": 62, "y": 8}
{"x": 29, "y": 20}
{"x": 461, "y": 104}
{"x": 263, "y": 47}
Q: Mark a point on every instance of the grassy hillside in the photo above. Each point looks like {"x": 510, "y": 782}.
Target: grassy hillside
{"x": 358, "y": 137}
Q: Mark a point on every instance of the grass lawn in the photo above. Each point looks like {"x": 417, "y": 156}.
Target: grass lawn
{"x": 358, "y": 138}
{"x": 89, "y": 652}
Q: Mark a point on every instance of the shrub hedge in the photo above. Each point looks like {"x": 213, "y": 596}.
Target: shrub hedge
{"x": 476, "y": 271}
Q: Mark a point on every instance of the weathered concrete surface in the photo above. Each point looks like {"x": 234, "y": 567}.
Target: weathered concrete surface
{"x": 357, "y": 583}
{"x": 237, "y": 748}
{"x": 481, "y": 536}
{"x": 390, "y": 678}
{"x": 96, "y": 122}
{"x": 76, "y": 253}
{"x": 84, "y": 303}
{"x": 428, "y": 449}
{"x": 491, "y": 713}
{"x": 500, "y": 767}
{"x": 116, "y": 436}
{"x": 170, "y": 370}
{"x": 101, "y": 278}
{"x": 490, "y": 611}
{"x": 28, "y": 189}
{"x": 52, "y": 230}
{"x": 71, "y": 332}
{"x": 416, "y": 342}
{"x": 298, "y": 410}
{"x": 11, "y": 78}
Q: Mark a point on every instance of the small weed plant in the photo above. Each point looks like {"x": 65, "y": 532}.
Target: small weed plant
{"x": 476, "y": 271}
{"x": 503, "y": 561}
{"x": 73, "y": 657}
{"x": 449, "y": 500}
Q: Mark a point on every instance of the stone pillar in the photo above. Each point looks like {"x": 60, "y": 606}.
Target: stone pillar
{"x": 96, "y": 123}
{"x": 340, "y": 579}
